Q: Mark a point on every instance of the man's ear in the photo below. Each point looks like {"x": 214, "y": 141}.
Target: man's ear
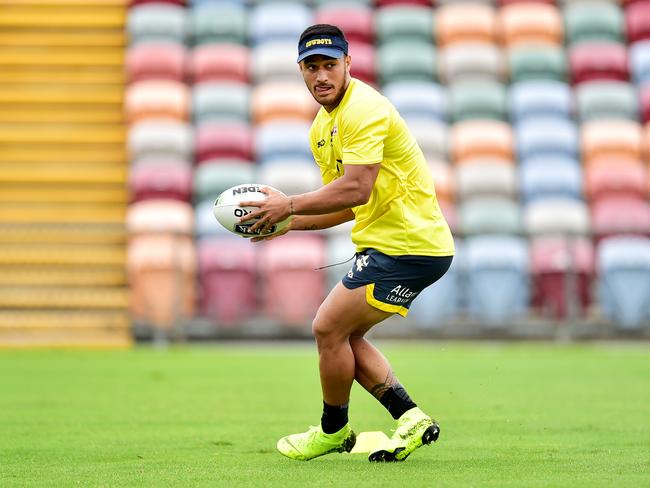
{"x": 348, "y": 61}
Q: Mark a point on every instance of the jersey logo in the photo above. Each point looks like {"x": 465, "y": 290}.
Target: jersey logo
{"x": 320, "y": 143}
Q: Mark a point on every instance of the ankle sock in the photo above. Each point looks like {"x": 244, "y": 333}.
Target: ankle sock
{"x": 397, "y": 401}
{"x": 334, "y": 417}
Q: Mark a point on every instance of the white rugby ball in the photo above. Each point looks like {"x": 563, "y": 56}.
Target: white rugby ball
{"x": 227, "y": 210}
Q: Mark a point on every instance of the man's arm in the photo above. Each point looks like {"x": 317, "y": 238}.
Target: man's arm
{"x": 318, "y": 222}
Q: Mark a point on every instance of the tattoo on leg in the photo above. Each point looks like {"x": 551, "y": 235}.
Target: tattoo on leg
{"x": 380, "y": 388}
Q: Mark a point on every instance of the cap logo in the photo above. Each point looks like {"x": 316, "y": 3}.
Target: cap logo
{"x": 317, "y": 42}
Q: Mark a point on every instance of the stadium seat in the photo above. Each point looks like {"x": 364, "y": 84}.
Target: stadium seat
{"x": 593, "y": 21}
{"x": 406, "y": 60}
{"x": 450, "y": 213}
{"x": 292, "y": 290}
{"x": 496, "y": 259}
{"x": 443, "y": 178}
{"x": 227, "y": 278}
{"x": 213, "y": 22}
{"x": 624, "y": 280}
{"x": 156, "y": 60}
{"x": 159, "y": 216}
{"x": 478, "y": 178}
{"x": 624, "y": 214}
{"x": 561, "y": 267}
{"x": 637, "y": 21}
{"x": 466, "y": 23}
{"x": 477, "y": 100}
{"x": 598, "y": 60}
{"x": 470, "y": 61}
{"x": 523, "y": 23}
{"x": 606, "y": 99}
{"x": 404, "y": 3}
{"x": 481, "y": 138}
{"x": 282, "y": 100}
{"x": 550, "y": 136}
{"x": 356, "y": 21}
{"x": 291, "y": 177}
{"x": 157, "y": 22}
{"x": 557, "y": 215}
{"x": 555, "y": 176}
{"x": 425, "y": 99}
{"x": 537, "y": 62}
{"x": 223, "y": 61}
{"x": 282, "y": 139}
{"x": 221, "y": 101}
{"x": 540, "y": 98}
{"x": 214, "y": 176}
{"x": 606, "y": 178}
{"x": 275, "y": 61}
{"x": 431, "y": 136}
{"x": 278, "y": 22}
{"x": 404, "y": 22}
{"x": 224, "y": 140}
{"x": 164, "y": 181}
{"x": 339, "y": 248}
{"x": 364, "y": 62}
{"x": 639, "y": 56}
{"x": 644, "y": 103}
{"x": 160, "y": 137}
{"x": 156, "y": 99}
{"x": 489, "y": 215}
{"x": 620, "y": 139}
{"x": 205, "y": 223}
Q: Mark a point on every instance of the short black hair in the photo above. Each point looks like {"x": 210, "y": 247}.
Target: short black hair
{"x": 321, "y": 29}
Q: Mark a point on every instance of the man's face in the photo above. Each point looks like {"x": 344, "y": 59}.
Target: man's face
{"x": 326, "y": 78}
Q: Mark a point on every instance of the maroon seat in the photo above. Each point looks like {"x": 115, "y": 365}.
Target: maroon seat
{"x": 356, "y": 21}
{"x": 169, "y": 181}
{"x": 637, "y": 21}
{"x": 598, "y": 60}
{"x": 221, "y": 61}
{"x": 363, "y": 62}
{"x": 227, "y": 279}
{"x": 620, "y": 215}
{"x": 558, "y": 262}
{"x": 644, "y": 102}
{"x": 156, "y": 60}
{"x": 605, "y": 179}
{"x": 224, "y": 140}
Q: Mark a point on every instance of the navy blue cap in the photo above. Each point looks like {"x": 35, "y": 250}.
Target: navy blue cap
{"x": 325, "y": 45}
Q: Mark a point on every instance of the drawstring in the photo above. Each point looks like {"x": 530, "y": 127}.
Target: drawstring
{"x": 337, "y": 264}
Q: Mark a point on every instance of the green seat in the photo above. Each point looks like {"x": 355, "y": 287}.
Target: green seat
{"x": 490, "y": 215}
{"x": 157, "y": 22}
{"x": 213, "y": 177}
{"x": 537, "y": 63}
{"x": 593, "y": 21}
{"x": 213, "y": 22}
{"x": 221, "y": 101}
{"x": 397, "y": 23}
{"x": 606, "y": 99}
{"x": 406, "y": 60}
{"x": 480, "y": 99}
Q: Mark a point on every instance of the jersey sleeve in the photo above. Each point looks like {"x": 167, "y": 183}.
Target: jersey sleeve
{"x": 364, "y": 128}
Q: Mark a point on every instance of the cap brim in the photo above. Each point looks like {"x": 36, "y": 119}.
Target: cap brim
{"x": 330, "y": 52}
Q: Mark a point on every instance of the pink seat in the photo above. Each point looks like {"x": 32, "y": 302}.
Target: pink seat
{"x": 292, "y": 289}
{"x": 644, "y": 102}
{"x": 523, "y": 23}
{"x": 637, "y": 21}
{"x": 620, "y": 215}
{"x": 363, "y": 62}
{"x": 228, "y": 279}
{"x": 598, "y": 60}
{"x": 604, "y": 179}
{"x": 174, "y": 182}
{"x": 465, "y": 23}
{"x": 157, "y": 99}
{"x": 602, "y": 138}
{"x": 282, "y": 100}
{"x": 156, "y": 60}
{"x": 220, "y": 62}
{"x": 552, "y": 258}
{"x": 356, "y": 21}
{"x": 224, "y": 140}
{"x": 160, "y": 216}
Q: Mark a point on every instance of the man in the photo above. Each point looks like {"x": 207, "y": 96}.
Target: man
{"x": 373, "y": 172}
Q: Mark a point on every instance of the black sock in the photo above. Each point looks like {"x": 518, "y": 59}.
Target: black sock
{"x": 334, "y": 417}
{"x": 397, "y": 401}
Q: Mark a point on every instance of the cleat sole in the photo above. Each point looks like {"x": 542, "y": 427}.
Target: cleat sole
{"x": 430, "y": 435}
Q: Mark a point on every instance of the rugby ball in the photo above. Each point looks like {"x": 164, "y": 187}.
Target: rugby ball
{"x": 227, "y": 210}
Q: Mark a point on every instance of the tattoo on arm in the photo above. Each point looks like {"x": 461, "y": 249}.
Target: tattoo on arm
{"x": 312, "y": 227}
{"x": 380, "y": 388}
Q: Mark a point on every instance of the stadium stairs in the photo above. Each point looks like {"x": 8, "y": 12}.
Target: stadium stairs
{"x": 62, "y": 174}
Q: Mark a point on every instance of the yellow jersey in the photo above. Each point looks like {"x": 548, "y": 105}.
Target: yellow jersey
{"x": 402, "y": 216}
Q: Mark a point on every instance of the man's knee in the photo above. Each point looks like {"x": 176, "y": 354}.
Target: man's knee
{"x": 326, "y": 332}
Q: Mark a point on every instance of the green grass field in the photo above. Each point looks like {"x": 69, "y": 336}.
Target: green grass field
{"x": 511, "y": 415}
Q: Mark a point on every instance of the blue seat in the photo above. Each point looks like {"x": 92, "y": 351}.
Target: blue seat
{"x": 205, "y": 224}
{"x": 549, "y": 136}
{"x": 279, "y": 21}
{"x": 543, "y": 176}
{"x": 639, "y": 56}
{"x": 282, "y": 139}
{"x": 497, "y": 259}
{"x": 425, "y": 99}
{"x": 624, "y": 286}
{"x": 539, "y": 98}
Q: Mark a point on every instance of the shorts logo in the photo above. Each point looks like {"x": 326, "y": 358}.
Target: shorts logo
{"x": 401, "y": 294}
{"x": 361, "y": 262}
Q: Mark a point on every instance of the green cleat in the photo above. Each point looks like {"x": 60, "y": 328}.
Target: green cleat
{"x": 414, "y": 429}
{"x": 313, "y": 443}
